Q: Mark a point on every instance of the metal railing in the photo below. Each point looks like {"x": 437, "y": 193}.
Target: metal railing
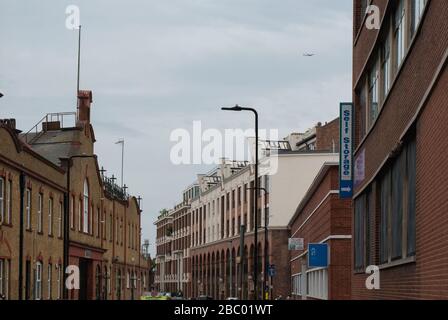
{"x": 37, "y": 130}
{"x": 114, "y": 190}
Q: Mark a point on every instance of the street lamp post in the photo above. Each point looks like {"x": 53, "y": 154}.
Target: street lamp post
{"x": 237, "y": 108}
{"x": 266, "y": 255}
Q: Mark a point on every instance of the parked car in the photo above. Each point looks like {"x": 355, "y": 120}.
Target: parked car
{"x": 232, "y": 298}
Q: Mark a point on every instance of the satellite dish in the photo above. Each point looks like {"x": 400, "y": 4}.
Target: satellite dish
{"x": 1, "y": 94}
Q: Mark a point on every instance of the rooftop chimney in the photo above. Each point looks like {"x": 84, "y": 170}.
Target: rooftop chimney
{"x": 84, "y": 102}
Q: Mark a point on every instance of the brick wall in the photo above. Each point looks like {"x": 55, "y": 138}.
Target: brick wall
{"x": 327, "y": 136}
{"x": 427, "y": 277}
{"x": 327, "y": 216}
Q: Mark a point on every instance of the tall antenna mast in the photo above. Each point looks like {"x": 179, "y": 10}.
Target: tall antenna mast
{"x": 79, "y": 68}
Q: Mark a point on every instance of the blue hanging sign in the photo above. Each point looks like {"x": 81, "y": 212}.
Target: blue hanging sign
{"x": 317, "y": 255}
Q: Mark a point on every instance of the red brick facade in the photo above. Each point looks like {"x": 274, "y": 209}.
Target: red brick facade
{"x": 323, "y": 218}
{"x": 414, "y": 107}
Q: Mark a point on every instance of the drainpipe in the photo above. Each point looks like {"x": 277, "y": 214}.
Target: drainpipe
{"x": 22, "y": 209}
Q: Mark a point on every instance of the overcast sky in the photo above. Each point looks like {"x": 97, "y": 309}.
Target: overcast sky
{"x": 155, "y": 66}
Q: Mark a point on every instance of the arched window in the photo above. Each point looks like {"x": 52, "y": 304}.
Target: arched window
{"x": 106, "y": 277}
{"x": 85, "y": 220}
{"x": 98, "y": 282}
{"x": 38, "y": 281}
{"x": 118, "y": 285}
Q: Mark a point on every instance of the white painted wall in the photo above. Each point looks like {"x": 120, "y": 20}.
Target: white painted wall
{"x": 295, "y": 174}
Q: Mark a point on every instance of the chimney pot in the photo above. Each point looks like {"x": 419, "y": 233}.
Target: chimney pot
{"x": 84, "y": 103}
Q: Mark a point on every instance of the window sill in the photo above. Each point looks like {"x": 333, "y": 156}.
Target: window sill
{"x": 29, "y": 230}
{"x": 50, "y": 236}
{"x": 40, "y": 233}
{"x": 8, "y": 225}
{"x": 398, "y": 263}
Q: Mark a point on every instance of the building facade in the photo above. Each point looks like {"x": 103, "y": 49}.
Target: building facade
{"x": 400, "y": 78}
{"x": 222, "y": 229}
{"x": 72, "y": 215}
{"x": 322, "y": 217}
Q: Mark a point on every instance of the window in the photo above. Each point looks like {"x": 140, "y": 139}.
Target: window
{"x": 118, "y": 284}
{"x": 28, "y": 209}
{"x": 296, "y": 284}
{"x": 239, "y": 196}
{"x": 399, "y": 32}
{"x": 85, "y": 220}
{"x": 98, "y": 222}
{"x": 98, "y": 282}
{"x": 59, "y": 281}
{"x": 61, "y": 209}
{"x": 245, "y": 193}
{"x": 373, "y": 95}
{"x": 363, "y": 128}
{"x": 49, "y": 280}
{"x": 2, "y": 200}
{"x": 104, "y": 226}
{"x": 40, "y": 214}
{"x": 108, "y": 281}
{"x": 317, "y": 281}
{"x": 91, "y": 225}
{"x": 128, "y": 280}
{"x": 50, "y": 216}
{"x": 9, "y": 202}
{"x": 116, "y": 231}
{"x": 121, "y": 232}
{"x": 5, "y": 201}
{"x": 72, "y": 213}
{"x": 79, "y": 215}
{"x": 4, "y": 278}
{"x": 397, "y": 206}
{"x": 111, "y": 228}
{"x": 417, "y": 8}
{"x": 267, "y": 183}
{"x": 38, "y": 281}
{"x": 385, "y": 68}
{"x": 362, "y": 220}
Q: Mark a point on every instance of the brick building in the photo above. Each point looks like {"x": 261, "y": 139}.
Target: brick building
{"x": 322, "y": 217}
{"x": 72, "y": 215}
{"x": 220, "y": 208}
{"x": 173, "y": 273}
{"x": 323, "y": 137}
{"x": 400, "y": 79}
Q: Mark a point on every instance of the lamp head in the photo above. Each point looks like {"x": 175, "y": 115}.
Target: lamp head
{"x": 235, "y": 108}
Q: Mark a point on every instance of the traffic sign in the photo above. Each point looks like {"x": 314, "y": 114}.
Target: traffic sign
{"x": 317, "y": 255}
